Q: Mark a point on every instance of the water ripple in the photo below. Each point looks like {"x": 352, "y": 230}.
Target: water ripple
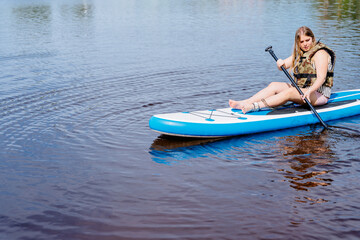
{"x": 80, "y": 81}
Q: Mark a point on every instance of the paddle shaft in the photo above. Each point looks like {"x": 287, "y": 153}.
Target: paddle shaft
{"x": 269, "y": 49}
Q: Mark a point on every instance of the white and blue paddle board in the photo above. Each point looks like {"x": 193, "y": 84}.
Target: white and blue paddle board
{"x": 228, "y": 122}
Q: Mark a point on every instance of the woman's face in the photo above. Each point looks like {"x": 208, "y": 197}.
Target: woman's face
{"x": 305, "y": 42}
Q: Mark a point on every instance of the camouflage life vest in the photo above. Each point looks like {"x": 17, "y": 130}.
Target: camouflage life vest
{"x": 305, "y": 72}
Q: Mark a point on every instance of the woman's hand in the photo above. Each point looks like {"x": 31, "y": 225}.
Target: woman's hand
{"x": 307, "y": 93}
{"x": 287, "y": 63}
{"x": 280, "y": 63}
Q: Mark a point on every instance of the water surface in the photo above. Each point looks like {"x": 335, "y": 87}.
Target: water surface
{"x": 80, "y": 80}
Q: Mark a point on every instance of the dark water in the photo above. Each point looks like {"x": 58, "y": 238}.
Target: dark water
{"x": 80, "y": 80}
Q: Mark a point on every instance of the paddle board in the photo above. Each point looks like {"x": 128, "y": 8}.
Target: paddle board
{"x": 226, "y": 122}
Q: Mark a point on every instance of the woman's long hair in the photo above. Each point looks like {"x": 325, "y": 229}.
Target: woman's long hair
{"x": 297, "y": 52}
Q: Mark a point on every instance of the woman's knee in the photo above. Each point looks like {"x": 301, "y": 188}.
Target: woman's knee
{"x": 278, "y": 86}
{"x": 274, "y": 84}
{"x": 293, "y": 95}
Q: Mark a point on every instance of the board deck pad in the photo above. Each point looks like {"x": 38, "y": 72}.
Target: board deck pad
{"x": 294, "y": 109}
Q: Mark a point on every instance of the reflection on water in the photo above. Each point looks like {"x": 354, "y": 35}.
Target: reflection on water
{"x": 339, "y": 9}
{"x": 39, "y": 13}
{"x": 32, "y": 22}
{"x": 78, "y": 11}
{"x": 164, "y": 143}
{"x": 44, "y": 13}
{"x": 169, "y": 150}
{"x": 305, "y": 154}
{"x": 308, "y": 155}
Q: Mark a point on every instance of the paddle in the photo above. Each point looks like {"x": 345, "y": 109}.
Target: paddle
{"x": 269, "y": 49}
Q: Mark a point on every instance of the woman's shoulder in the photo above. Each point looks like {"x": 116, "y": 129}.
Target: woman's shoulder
{"x": 321, "y": 53}
{"x": 321, "y": 57}
{"x": 320, "y": 48}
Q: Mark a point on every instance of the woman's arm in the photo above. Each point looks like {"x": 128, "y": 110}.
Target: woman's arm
{"x": 321, "y": 60}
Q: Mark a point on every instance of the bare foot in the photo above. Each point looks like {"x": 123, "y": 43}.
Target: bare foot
{"x": 237, "y": 104}
{"x": 247, "y": 107}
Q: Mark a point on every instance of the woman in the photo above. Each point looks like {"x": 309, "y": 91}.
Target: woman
{"x": 313, "y": 65}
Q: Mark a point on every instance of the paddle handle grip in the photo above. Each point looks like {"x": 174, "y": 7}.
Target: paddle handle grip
{"x": 269, "y": 49}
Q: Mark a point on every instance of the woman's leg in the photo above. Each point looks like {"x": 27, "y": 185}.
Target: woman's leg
{"x": 288, "y": 94}
{"x": 319, "y": 99}
{"x": 272, "y": 89}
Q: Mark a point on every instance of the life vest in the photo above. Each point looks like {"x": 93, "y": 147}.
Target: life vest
{"x": 305, "y": 72}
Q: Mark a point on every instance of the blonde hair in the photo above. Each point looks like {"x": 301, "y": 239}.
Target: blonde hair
{"x": 297, "y": 52}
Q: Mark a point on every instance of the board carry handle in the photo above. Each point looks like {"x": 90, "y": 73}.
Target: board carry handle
{"x": 269, "y": 49}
